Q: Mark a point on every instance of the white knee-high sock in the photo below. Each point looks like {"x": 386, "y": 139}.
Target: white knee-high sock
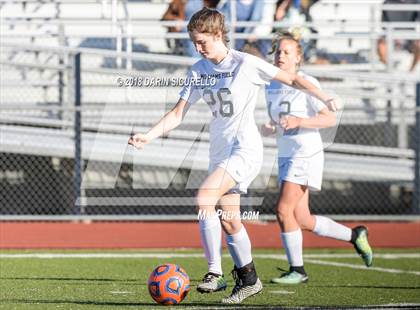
{"x": 292, "y": 243}
{"x": 211, "y": 240}
{"x": 326, "y": 227}
{"x": 239, "y": 247}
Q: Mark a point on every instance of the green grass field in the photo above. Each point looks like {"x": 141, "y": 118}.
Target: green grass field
{"x": 337, "y": 278}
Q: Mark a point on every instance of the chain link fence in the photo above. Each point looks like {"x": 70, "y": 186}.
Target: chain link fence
{"x": 369, "y": 169}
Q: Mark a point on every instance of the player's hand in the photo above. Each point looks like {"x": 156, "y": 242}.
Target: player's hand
{"x": 138, "y": 140}
{"x": 268, "y": 129}
{"x": 290, "y": 122}
{"x": 332, "y": 104}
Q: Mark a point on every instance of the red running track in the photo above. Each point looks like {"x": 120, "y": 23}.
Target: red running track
{"x": 133, "y": 235}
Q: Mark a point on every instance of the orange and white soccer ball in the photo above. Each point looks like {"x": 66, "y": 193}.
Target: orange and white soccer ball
{"x": 168, "y": 284}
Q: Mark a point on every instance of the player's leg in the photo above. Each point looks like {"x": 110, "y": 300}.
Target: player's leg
{"x": 358, "y": 236}
{"x": 213, "y": 187}
{"x": 326, "y": 227}
{"x": 303, "y": 215}
{"x": 290, "y": 196}
{"x": 320, "y": 225}
{"x": 239, "y": 245}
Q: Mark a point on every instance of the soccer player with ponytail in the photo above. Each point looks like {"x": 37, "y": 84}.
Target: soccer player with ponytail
{"x": 236, "y": 149}
{"x": 295, "y": 118}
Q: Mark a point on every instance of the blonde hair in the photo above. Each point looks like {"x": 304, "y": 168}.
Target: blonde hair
{"x": 292, "y": 35}
{"x": 209, "y": 21}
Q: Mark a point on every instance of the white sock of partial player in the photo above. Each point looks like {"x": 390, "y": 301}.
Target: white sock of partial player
{"x": 239, "y": 247}
{"x": 326, "y": 227}
{"x": 292, "y": 243}
{"x": 211, "y": 239}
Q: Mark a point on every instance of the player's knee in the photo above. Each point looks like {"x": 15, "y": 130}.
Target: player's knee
{"x": 303, "y": 223}
{"x": 284, "y": 212}
{"x": 306, "y": 221}
{"x": 202, "y": 199}
{"x": 205, "y": 202}
{"x": 231, "y": 226}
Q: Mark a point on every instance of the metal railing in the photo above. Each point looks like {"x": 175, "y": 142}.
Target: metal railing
{"x": 128, "y": 28}
{"x": 67, "y": 134}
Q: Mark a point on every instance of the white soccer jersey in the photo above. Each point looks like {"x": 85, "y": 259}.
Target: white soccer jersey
{"x": 283, "y": 100}
{"x": 232, "y": 101}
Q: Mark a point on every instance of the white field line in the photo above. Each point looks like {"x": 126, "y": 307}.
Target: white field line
{"x": 102, "y": 255}
{"x": 282, "y": 292}
{"x": 121, "y": 292}
{"x": 195, "y": 255}
{"x": 310, "y": 258}
{"x": 376, "y": 255}
{"x": 336, "y": 264}
{"x": 342, "y": 255}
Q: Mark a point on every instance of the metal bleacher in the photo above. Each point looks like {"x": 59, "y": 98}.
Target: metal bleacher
{"x": 115, "y": 112}
{"x": 37, "y": 109}
{"x": 171, "y": 153}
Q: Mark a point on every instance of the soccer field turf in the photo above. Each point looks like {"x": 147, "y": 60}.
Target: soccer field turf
{"x": 117, "y": 279}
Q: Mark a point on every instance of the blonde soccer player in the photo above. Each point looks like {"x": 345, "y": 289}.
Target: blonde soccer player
{"x": 236, "y": 149}
{"x": 295, "y": 117}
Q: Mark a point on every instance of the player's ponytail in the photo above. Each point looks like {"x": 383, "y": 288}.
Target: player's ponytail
{"x": 293, "y": 35}
{"x": 209, "y": 21}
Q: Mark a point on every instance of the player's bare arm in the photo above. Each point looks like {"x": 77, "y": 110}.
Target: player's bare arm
{"x": 171, "y": 120}
{"x": 325, "y": 118}
{"x": 299, "y": 82}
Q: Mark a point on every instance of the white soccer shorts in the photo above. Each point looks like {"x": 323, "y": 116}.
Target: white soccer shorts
{"x": 243, "y": 168}
{"x": 302, "y": 170}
